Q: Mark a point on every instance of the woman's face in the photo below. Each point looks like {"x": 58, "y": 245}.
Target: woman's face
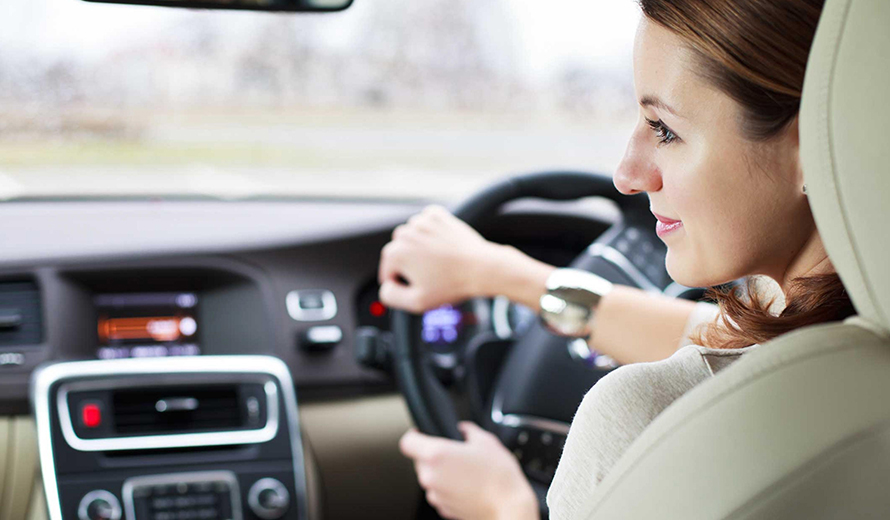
{"x": 739, "y": 203}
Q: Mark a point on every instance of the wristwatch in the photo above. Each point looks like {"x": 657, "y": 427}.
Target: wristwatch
{"x": 569, "y": 305}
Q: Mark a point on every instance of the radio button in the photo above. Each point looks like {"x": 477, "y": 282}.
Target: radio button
{"x": 99, "y": 505}
{"x": 268, "y": 499}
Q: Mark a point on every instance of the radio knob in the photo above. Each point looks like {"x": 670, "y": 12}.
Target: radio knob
{"x": 268, "y": 499}
{"x": 99, "y": 505}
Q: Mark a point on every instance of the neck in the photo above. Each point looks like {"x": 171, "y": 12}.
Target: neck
{"x": 811, "y": 260}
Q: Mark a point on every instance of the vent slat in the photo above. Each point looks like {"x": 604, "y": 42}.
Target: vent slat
{"x": 21, "y": 298}
{"x": 218, "y": 409}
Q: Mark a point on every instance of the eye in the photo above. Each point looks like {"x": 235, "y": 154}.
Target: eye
{"x": 664, "y": 134}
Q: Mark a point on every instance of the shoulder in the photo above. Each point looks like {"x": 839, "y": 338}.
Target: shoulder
{"x": 645, "y": 389}
{"x": 611, "y": 416}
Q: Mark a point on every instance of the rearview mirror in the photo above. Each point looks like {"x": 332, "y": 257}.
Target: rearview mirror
{"x": 250, "y": 5}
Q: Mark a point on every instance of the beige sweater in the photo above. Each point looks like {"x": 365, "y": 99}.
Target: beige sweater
{"x": 620, "y": 406}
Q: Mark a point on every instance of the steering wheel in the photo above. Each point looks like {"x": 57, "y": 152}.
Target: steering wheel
{"x": 530, "y": 402}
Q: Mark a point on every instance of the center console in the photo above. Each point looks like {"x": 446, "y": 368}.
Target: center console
{"x": 172, "y": 438}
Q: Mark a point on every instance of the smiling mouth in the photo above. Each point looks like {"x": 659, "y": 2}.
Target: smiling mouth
{"x": 666, "y": 225}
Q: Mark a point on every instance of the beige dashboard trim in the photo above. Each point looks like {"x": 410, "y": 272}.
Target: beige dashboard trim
{"x": 355, "y": 446}
{"x": 19, "y": 467}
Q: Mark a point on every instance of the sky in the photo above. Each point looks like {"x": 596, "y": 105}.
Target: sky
{"x": 549, "y": 34}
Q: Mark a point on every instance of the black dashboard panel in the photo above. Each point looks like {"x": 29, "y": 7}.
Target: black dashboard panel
{"x": 242, "y": 281}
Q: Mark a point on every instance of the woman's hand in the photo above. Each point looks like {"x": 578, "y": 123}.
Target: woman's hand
{"x": 439, "y": 256}
{"x": 477, "y": 479}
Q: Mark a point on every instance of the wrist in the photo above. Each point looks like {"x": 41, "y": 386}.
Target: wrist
{"x": 521, "y": 505}
{"x": 507, "y": 271}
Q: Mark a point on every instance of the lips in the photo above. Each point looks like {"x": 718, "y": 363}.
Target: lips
{"x": 666, "y": 225}
{"x": 664, "y": 220}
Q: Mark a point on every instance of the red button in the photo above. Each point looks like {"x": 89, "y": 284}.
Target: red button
{"x": 91, "y": 415}
{"x": 378, "y": 309}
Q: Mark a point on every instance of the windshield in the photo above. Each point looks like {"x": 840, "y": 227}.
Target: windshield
{"x": 389, "y": 99}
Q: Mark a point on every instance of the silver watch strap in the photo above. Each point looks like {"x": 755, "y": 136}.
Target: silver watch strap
{"x": 568, "y": 306}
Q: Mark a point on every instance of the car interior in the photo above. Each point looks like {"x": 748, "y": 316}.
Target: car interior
{"x": 191, "y": 357}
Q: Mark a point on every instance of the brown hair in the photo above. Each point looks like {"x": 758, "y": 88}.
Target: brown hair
{"x": 756, "y": 52}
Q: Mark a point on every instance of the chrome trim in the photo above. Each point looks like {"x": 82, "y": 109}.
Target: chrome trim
{"x": 148, "y": 442}
{"x": 500, "y": 317}
{"x": 324, "y": 334}
{"x": 616, "y": 258}
{"x": 522, "y": 420}
{"x": 253, "y": 498}
{"x": 107, "y": 496}
{"x": 328, "y": 306}
{"x": 178, "y": 478}
{"x": 579, "y": 350}
{"x": 43, "y": 379}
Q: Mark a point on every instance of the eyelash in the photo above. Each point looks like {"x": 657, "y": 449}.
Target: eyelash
{"x": 664, "y": 134}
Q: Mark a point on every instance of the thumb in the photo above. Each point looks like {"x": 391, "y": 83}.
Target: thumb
{"x": 471, "y": 431}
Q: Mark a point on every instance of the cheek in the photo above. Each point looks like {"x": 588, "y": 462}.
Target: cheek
{"x": 722, "y": 219}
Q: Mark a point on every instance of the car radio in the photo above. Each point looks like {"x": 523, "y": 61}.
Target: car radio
{"x": 147, "y": 325}
{"x": 174, "y": 438}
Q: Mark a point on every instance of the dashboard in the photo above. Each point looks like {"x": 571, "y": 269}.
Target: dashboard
{"x": 292, "y": 279}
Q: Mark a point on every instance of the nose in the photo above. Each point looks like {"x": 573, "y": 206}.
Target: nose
{"x": 637, "y": 171}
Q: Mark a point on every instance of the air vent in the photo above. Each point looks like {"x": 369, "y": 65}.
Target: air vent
{"x": 20, "y": 316}
{"x": 172, "y": 409}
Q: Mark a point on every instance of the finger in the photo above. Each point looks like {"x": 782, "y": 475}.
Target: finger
{"x": 420, "y": 446}
{"x": 400, "y": 229}
{"x": 410, "y": 442}
{"x": 436, "y": 210}
{"x": 424, "y": 476}
{"x": 386, "y": 271}
{"x": 433, "y": 499}
{"x": 447, "y": 513}
{"x": 471, "y": 430}
{"x": 390, "y": 262}
{"x": 398, "y": 296}
{"x": 422, "y": 223}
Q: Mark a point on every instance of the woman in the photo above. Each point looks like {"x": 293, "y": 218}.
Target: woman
{"x": 716, "y": 150}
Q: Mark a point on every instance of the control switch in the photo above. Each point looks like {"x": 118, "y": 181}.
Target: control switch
{"x": 268, "y": 499}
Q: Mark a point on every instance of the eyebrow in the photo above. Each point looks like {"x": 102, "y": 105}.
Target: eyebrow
{"x": 655, "y": 101}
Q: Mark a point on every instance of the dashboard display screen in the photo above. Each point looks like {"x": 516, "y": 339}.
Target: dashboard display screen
{"x": 147, "y": 325}
{"x": 441, "y": 326}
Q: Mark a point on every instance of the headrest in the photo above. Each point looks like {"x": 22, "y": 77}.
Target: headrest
{"x": 845, "y": 151}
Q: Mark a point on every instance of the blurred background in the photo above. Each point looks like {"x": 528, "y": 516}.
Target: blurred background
{"x": 388, "y": 99}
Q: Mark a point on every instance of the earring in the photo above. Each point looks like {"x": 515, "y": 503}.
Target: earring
{"x": 804, "y": 189}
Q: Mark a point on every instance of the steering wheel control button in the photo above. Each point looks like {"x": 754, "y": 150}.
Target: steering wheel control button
{"x": 522, "y": 438}
{"x": 99, "y": 505}
{"x": 537, "y": 451}
{"x": 321, "y": 338}
{"x": 268, "y": 499}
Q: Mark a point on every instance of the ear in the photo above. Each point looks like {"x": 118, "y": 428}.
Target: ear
{"x": 791, "y": 144}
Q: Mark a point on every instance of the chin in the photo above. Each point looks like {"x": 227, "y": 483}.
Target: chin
{"x": 688, "y": 272}
{"x": 679, "y": 272}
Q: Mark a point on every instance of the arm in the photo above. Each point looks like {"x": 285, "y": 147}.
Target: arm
{"x": 631, "y": 325}
{"x": 448, "y": 261}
